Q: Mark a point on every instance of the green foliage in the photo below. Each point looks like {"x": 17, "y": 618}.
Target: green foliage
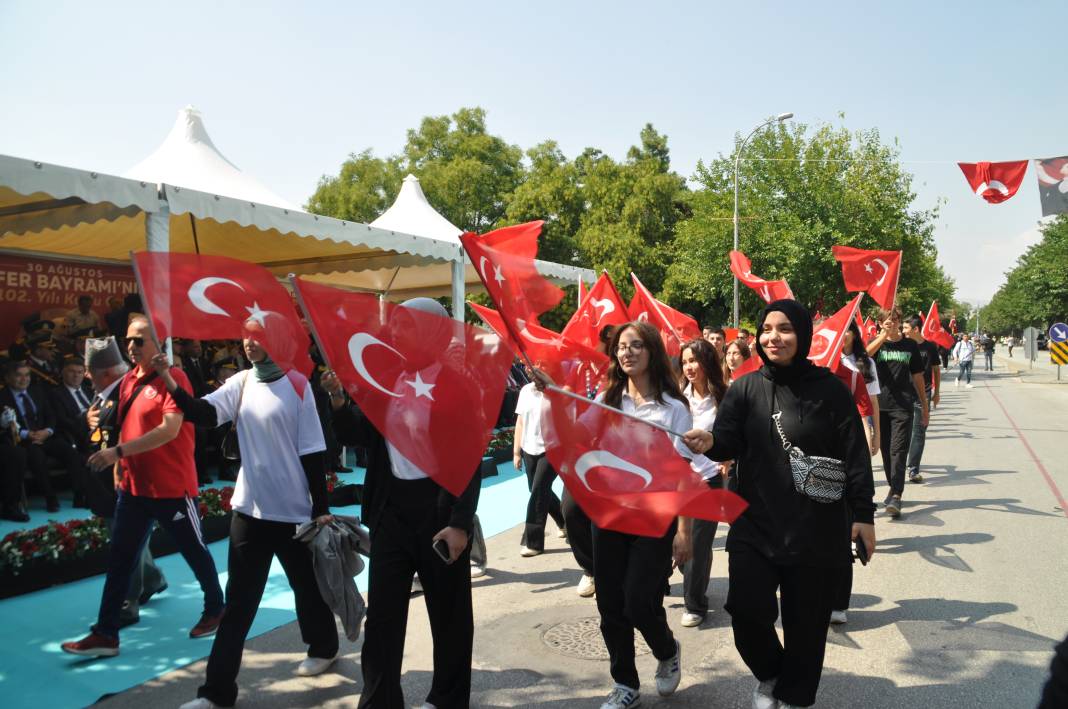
{"x": 801, "y": 192}
{"x": 1035, "y": 292}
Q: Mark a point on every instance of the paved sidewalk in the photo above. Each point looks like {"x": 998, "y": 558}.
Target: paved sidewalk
{"x": 960, "y": 608}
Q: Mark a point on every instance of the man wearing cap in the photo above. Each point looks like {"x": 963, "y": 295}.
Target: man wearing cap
{"x": 42, "y": 360}
{"x": 36, "y": 427}
{"x": 156, "y": 481}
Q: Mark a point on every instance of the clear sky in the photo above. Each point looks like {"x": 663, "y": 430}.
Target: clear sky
{"x": 288, "y": 90}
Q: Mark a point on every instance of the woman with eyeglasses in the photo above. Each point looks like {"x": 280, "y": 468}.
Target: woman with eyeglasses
{"x": 786, "y": 541}
{"x": 705, "y": 387}
{"x": 630, "y": 570}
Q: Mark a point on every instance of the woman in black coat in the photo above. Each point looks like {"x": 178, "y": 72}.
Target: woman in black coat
{"x": 786, "y": 541}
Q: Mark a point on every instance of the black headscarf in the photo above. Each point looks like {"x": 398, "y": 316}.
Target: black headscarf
{"x": 800, "y": 318}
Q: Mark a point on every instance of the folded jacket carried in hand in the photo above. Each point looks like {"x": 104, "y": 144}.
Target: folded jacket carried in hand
{"x": 336, "y": 549}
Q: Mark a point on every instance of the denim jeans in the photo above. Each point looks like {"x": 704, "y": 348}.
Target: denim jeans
{"x": 965, "y": 372}
{"x": 919, "y": 438}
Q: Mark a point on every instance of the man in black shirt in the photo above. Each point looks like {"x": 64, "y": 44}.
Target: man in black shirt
{"x": 900, "y": 368}
{"x": 932, "y": 381}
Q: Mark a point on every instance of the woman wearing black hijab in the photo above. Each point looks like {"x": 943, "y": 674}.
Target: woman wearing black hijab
{"x": 785, "y": 540}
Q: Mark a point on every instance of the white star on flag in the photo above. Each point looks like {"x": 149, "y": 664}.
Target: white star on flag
{"x": 256, "y": 313}
{"x": 868, "y": 268}
{"x": 497, "y": 275}
{"x": 421, "y": 387}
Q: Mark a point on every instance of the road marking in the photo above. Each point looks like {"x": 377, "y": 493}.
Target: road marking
{"x": 1031, "y": 451}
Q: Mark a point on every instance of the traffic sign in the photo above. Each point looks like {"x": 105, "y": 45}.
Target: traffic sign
{"x": 1058, "y": 332}
{"x": 1058, "y": 353}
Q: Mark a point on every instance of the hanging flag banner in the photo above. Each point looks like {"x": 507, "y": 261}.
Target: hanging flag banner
{"x": 1053, "y": 184}
{"x": 994, "y": 181}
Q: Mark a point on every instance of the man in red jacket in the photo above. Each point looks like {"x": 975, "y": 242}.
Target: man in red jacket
{"x": 156, "y": 479}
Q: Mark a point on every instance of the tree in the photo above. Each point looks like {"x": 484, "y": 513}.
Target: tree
{"x": 363, "y": 189}
{"x": 1035, "y": 292}
{"x": 801, "y": 192}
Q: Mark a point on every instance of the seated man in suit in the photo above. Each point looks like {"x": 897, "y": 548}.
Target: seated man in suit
{"x": 12, "y": 468}
{"x": 37, "y": 428}
{"x": 70, "y": 400}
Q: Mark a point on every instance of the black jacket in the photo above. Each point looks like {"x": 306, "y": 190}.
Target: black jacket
{"x": 70, "y": 421}
{"x": 46, "y": 417}
{"x": 818, "y": 416}
{"x": 354, "y": 429}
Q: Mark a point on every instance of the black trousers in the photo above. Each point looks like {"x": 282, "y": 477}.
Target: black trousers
{"x": 253, "y": 545}
{"x": 579, "y": 532}
{"x": 543, "y": 501}
{"x": 12, "y": 473}
{"x": 37, "y": 461}
{"x": 806, "y": 594}
{"x": 696, "y": 571}
{"x": 629, "y": 571}
{"x": 400, "y": 547}
{"x": 895, "y": 435}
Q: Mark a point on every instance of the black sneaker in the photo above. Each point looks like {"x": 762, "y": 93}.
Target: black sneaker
{"x": 893, "y": 507}
{"x": 889, "y": 496}
{"x": 146, "y": 595}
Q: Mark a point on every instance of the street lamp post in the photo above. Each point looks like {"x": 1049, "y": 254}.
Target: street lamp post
{"x": 737, "y": 159}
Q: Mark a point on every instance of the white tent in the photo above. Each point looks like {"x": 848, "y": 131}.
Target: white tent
{"x": 48, "y": 210}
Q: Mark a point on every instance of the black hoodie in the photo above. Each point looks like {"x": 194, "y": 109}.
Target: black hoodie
{"x": 819, "y": 417}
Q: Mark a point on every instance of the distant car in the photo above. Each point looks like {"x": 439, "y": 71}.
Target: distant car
{"x": 1043, "y": 341}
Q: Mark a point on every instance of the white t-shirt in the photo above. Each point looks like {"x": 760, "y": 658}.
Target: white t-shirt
{"x": 275, "y": 427}
{"x": 528, "y": 408}
{"x": 672, "y": 413}
{"x": 703, "y": 412}
{"x": 872, "y": 386}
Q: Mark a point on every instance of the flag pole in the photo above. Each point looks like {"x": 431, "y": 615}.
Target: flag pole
{"x": 602, "y": 405}
{"x": 144, "y": 301}
{"x": 292, "y": 278}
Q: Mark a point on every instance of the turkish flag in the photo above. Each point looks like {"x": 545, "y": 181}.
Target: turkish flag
{"x": 676, "y": 328}
{"x": 994, "y": 181}
{"x": 749, "y": 366}
{"x": 869, "y": 331}
{"x": 767, "y": 290}
{"x": 933, "y": 331}
{"x": 504, "y": 259}
{"x": 730, "y": 334}
{"x": 953, "y": 325}
{"x": 860, "y": 326}
{"x": 875, "y": 272}
{"x": 570, "y": 364}
{"x": 601, "y": 306}
{"x": 431, "y": 385}
{"x": 626, "y": 475}
{"x": 827, "y": 337}
{"x": 212, "y": 297}
{"x": 581, "y": 291}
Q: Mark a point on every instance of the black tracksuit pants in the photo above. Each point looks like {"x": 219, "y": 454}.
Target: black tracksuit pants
{"x": 895, "y": 435}
{"x": 543, "y": 502}
{"x": 695, "y": 572}
{"x": 806, "y": 593}
{"x": 579, "y": 532}
{"x": 629, "y": 571}
{"x": 401, "y": 546}
{"x": 253, "y": 545}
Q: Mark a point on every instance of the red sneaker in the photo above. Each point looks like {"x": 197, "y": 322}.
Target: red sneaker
{"x": 93, "y": 645}
{"x": 206, "y": 626}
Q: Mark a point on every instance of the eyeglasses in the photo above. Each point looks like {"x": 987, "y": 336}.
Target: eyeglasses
{"x": 137, "y": 341}
{"x": 635, "y": 347}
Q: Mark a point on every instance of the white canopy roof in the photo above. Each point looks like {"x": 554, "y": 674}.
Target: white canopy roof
{"x": 411, "y": 213}
{"x": 189, "y": 158}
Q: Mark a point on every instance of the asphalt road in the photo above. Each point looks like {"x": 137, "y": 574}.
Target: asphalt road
{"x": 960, "y": 607}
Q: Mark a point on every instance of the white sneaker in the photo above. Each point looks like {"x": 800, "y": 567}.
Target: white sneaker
{"x": 762, "y": 698}
{"x": 417, "y": 585}
{"x": 956, "y": 382}
{"x": 669, "y": 673}
{"x": 528, "y": 552}
{"x": 561, "y": 533}
{"x": 311, "y": 666}
{"x": 425, "y": 705}
{"x": 969, "y": 386}
{"x": 692, "y": 620}
{"x": 199, "y": 703}
{"x": 587, "y": 587}
{"x": 477, "y": 571}
{"x": 838, "y": 617}
{"x": 622, "y": 698}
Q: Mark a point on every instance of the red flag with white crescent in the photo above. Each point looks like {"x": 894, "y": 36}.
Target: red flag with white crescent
{"x": 601, "y": 306}
{"x": 933, "y": 330}
{"x": 626, "y": 475}
{"x": 869, "y": 331}
{"x": 828, "y": 335}
{"x": 430, "y": 385}
{"x": 994, "y": 181}
{"x": 676, "y": 328}
{"x": 767, "y": 290}
{"x": 212, "y": 297}
{"x": 875, "y": 272}
{"x": 749, "y": 366}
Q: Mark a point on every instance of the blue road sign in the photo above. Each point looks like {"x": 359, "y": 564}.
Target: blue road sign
{"x": 1058, "y": 332}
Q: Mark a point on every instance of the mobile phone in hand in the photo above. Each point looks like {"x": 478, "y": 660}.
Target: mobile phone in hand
{"x": 861, "y": 550}
{"x": 441, "y": 548}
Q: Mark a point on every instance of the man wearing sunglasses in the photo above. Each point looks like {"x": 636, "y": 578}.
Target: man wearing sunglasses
{"x": 156, "y": 479}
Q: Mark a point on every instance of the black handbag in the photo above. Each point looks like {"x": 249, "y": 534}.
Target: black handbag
{"x": 231, "y": 446}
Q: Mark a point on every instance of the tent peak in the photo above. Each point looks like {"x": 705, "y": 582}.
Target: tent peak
{"x": 412, "y": 213}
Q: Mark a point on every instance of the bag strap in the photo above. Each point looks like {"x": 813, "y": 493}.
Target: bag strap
{"x": 775, "y": 416}
{"x": 124, "y": 406}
